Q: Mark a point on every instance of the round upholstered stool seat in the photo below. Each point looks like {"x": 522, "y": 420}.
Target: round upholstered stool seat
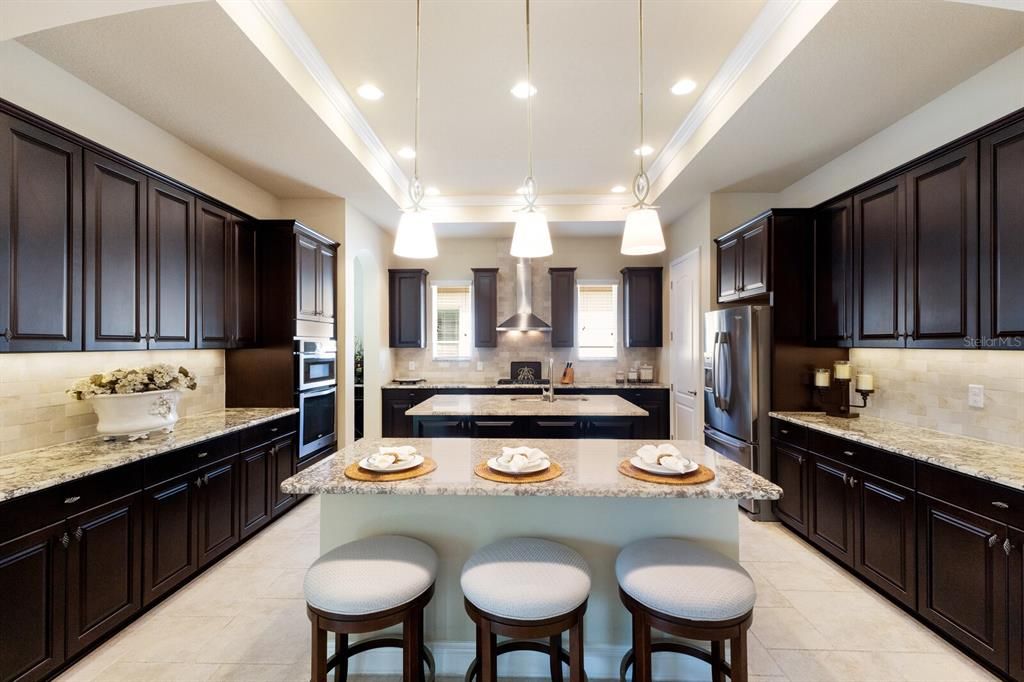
{"x": 689, "y": 591}
{"x": 525, "y": 589}
{"x": 365, "y": 586}
{"x": 526, "y": 579}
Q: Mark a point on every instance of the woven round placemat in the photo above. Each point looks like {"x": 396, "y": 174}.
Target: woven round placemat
{"x": 549, "y": 474}
{"x": 701, "y": 475}
{"x": 356, "y": 474}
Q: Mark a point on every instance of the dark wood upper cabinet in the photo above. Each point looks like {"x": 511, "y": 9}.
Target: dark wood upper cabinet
{"x": 32, "y": 580}
{"x": 40, "y": 239}
{"x": 327, "y": 275}
{"x": 753, "y": 272}
{"x": 116, "y": 257}
{"x": 729, "y": 269}
{"x": 1002, "y": 238}
{"x": 215, "y": 240}
{"x": 942, "y": 251}
{"x": 407, "y": 308}
{"x": 563, "y": 307}
{"x": 245, "y": 284}
{"x": 642, "y": 314}
{"x": 833, "y": 274}
{"x": 307, "y": 282}
{"x": 879, "y": 253}
{"x": 485, "y": 307}
{"x": 172, "y": 267}
{"x": 962, "y": 581}
{"x": 104, "y": 581}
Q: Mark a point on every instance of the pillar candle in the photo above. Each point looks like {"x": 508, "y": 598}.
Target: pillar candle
{"x": 821, "y": 378}
{"x": 865, "y": 382}
{"x": 842, "y": 370}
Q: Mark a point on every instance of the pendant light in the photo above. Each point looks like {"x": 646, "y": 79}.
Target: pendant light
{"x": 642, "y": 234}
{"x": 415, "y": 238}
{"x": 531, "y": 238}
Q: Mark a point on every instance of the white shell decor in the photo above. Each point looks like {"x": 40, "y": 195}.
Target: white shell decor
{"x": 136, "y": 414}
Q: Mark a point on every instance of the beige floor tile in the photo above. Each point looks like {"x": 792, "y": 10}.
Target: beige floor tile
{"x": 767, "y": 595}
{"x": 265, "y": 672}
{"x": 287, "y": 584}
{"x": 806, "y": 576}
{"x": 759, "y": 661}
{"x": 169, "y": 639}
{"x": 134, "y": 671}
{"x": 937, "y": 667}
{"x": 222, "y": 591}
{"x": 786, "y": 628}
{"x": 276, "y": 631}
{"x": 835, "y": 666}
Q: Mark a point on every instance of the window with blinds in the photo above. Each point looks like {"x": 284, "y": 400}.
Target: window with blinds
{"x": 597, "y": 330}
{"x": 452, "y": 322}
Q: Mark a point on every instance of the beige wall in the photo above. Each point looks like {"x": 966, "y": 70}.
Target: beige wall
{"x": 594, "y": 258}
{"x": 35, "y": 411}
{"x": 43, "y": 88}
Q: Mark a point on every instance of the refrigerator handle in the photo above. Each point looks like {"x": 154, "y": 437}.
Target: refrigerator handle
{"x": 714, "y": 370}
{"x": 722, "y": 398}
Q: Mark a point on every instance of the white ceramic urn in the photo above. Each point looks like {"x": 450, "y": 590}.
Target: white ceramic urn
{"x": 136, "y": 414}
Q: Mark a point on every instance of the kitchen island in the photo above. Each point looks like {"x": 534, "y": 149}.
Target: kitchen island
{"x": 591, "y": 507}
{"x": 526, "y": 416}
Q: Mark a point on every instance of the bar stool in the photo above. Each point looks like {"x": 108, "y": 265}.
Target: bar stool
{"x": 689, "y": 591}
{"x": 365, "y": 586}
{"x": 526, "y": 588}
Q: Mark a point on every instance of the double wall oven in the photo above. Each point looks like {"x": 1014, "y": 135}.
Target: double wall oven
{"x": 316, "y": 383}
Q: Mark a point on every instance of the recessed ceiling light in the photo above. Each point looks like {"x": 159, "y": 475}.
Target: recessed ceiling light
{"x": 407, "y": 153}
{"x": 644, "y": 151}
{"x": 369, "y": 91}
{"x": 618, "y": 189}
{"x": 432, "y": 192}
{"x": 522, "y": 90}
{"x": 684, "y": 87}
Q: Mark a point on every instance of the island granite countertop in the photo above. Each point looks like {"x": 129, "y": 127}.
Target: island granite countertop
{"x": 29, "y": 471}
{"x": 1003, "y": 464}
{"x": 515, "y": 406}
{"x": 590, "y": 470}
{"x": 490, "y": 385}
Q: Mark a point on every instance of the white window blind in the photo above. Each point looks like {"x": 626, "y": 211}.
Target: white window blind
{"x": 452, "y": 322}
{"x": 597, "y": 320}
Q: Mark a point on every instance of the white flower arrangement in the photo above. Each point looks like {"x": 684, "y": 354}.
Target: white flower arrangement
{"x": 161, "y": 377}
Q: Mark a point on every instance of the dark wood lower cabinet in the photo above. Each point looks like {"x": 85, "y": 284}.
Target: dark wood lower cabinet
{"x": 1015, "y": 554}
{"x": 254, "y": 488}
{"x": 217, "y": 517}
{"x": 283, "y": 453}
{"x": 617, "y": 428}
{"x": 32, "y": 581}
{"x": 440, "y": 427}
{"x": 496, "y": 427}
{"x": 170, "y": 548}
{"x": 885, "y": 530}
{"x": 832, "y": 509}
{"x": 790, "y": 468}
{"x": 104, "y": 571}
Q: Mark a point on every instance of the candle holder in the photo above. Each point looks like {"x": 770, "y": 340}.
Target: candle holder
{"x": 841, "y": 407}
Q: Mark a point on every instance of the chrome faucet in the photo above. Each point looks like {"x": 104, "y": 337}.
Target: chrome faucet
{"x": 548, "y": 392}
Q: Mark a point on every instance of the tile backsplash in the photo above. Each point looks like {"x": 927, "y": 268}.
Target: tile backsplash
{"x": 35, "y": 411}
{"x": 929, "y": 388}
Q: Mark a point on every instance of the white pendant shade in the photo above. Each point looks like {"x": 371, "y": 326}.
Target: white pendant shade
{"x": 531, "y": 238}
{"x": 415, "y": 238}
{"x": 642, "y": 235}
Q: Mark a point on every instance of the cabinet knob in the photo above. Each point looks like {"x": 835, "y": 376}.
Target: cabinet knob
{"x": 1000, "y": 505}
{"x": 848, "y": 453}
{"x": 274, "y": 430}
{"x": 993, "y": 540}
{"x": 78, "y": 533}
{"x": 8, "y": 335}
{"x": 65, "y": 540}
{"x": 784, "y": 431}
{"x": 853, "y": 482}
{"x": 1007, "y": 546}
{"x": 201, "y": 455}
{"x": 199, "y": 482}
{"x": 72, "y": 499}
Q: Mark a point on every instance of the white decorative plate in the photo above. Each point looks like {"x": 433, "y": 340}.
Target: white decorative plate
{"x": 660, "y": 470}
{"x": 534, "y": 468}
{"x": 416, "y": 460}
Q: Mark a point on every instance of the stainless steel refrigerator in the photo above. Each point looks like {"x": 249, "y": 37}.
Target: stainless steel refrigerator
{"x": 737, "y": 391}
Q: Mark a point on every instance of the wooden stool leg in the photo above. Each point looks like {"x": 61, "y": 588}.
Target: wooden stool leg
{"x": 738, "y": 648}
{"x": 576, "y": 651}
{"x": 488, "y": 654}
{"x": 341, "y": 657}
{"x": 318, "y": 652}
{"x": 556, "y": 657}
{"x": 641, "y": 648}
{"x": 412, "y": 647}
{"x": 716, "y": 661}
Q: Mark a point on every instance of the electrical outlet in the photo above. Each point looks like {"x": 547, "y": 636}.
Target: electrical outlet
{"x": 479, "y": 366}
{"x": 412, "y": 365}
{"x": 975, "y": 395}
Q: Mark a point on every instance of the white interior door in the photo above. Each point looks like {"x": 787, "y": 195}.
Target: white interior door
{"x": 684, "y": 318}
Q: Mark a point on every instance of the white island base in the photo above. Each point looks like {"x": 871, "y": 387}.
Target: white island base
{"x": 595, "y": 527}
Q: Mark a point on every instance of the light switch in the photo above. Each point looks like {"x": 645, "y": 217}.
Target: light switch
{"x": 975, "y": 395}
{"x": 412, "y": 365}
{"x": 479, "y": 366}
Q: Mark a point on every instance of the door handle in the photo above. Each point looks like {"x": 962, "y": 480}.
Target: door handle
{"x": 1000, "y": 505}
{"x": 692, "y": 392}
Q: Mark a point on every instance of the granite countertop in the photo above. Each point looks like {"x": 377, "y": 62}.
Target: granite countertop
{"x": 994, "y": 462}
{"x": 26, "y": 472}
{"x": 590, "y": 471}
{"x": 610, "y": 385}
{"x": 499, "y": 405}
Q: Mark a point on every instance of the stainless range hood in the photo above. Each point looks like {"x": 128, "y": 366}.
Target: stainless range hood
{"x": 524, "y": 320}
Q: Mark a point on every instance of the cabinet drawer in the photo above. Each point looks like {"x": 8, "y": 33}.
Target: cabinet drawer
{"x": 266, "y": 432}
{"x": 887, "y": 465}
{"x": 787, "y": 432}
{"x": 974, "y": 494}
{"x": 170, "y": 464}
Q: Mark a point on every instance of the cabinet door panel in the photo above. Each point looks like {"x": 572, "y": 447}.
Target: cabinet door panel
{"x": 439, "y": 427}
{"x": 832, "y": 509}
{"x": 563, "y": 307}
{"x": 169, "y": 539}
{"x": 307, "y": 304}
{"x": 885, "y": 527}
{"x": 617, "y": 428}
{"x": 104, "y": 570}
{"x": 1002, "y": 238}
{"x": 396, "y": 423}
{"x": 790, "y": 473}
{"x": 172, "y": 267}
{"x": 879, "y": 234}
{"x": 1015, "y": 549}
{"x": 327, "y": 277}
{"x": 284, "y": 452}
{"x": 218, "y": 510}
{"x": 485, "y": 308}
{"x": 754, "y": 260}
{"x": 116, "y": 310}
{"x": 407, "y": 308}
{"x": 244, "y": 283}
{"x": 942, "y": 251}
{"x": 962, "y": 581}
{"x": 40, "y": 240}
{"x": 32, "y": 579}
{"x": 497, "y": 427}
{"x": 729, "y": 269}
{"x": 833, "y": 274}
{"x": 556, "y": 428}
{"x": 254, "y": 489}
{"x": 641, "y": 311}
{"x": 214, "y": 236}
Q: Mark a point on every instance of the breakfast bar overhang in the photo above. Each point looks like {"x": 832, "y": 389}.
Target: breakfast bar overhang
{"x": 591, "y": 507}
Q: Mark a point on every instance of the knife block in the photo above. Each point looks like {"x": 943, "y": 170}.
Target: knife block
{"x": 569, "y": 375}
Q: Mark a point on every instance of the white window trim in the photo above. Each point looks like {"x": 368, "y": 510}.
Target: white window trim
{"x": 614, "y": 283}
{"x": 444, "y": 283}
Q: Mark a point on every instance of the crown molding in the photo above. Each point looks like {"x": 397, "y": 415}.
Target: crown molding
{"x": 765, "y": 25}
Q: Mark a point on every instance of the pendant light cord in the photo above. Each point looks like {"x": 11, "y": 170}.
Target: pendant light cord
{"x": 641, "y": 81}
{"x": 529, "y": 95}
{"x": 416, "y": 126}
